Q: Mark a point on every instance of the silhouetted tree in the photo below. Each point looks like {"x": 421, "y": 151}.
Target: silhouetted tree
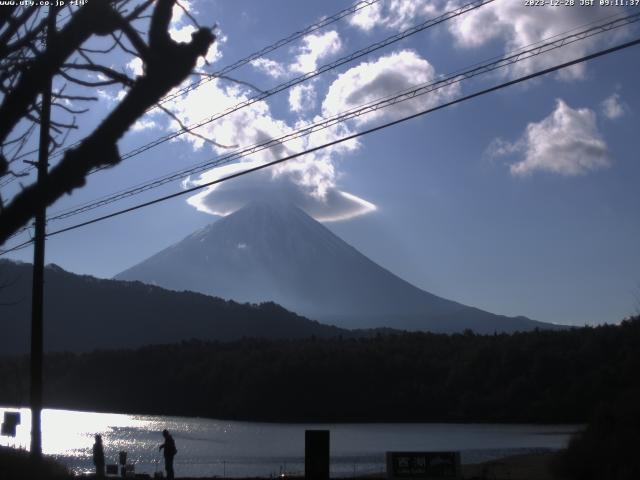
{"x": 27, "y": 63}
{"x": 607, "y": 448}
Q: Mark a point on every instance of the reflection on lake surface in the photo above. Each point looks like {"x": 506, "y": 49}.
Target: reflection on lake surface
{"x": 221, "y": 448}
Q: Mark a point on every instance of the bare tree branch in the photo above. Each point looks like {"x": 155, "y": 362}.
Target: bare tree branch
{"x": 230, "y": 79}
{"x": 115, "y": 76}
{"x": 96, "y": 17}
{"x": 188, "y": 14}
{"x": 167, "y": 63}
{"x": 190, "y": 131}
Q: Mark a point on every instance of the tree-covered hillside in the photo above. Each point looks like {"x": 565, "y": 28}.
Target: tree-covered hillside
{"x": 539, "y": 376}
{"x": 83, "y": 313}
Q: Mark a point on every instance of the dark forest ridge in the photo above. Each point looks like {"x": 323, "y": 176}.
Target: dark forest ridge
{"x": 83, "y": 313}
{"x": 271, "y": 250}
{"x": 541, "y": 376}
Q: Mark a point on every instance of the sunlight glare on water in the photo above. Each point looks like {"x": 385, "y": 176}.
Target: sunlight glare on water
{"x": 209, "y": 447}
{"x": 68, "y": 433}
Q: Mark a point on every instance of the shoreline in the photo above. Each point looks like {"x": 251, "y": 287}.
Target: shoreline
{"x": 525, "y": 466}
{"x": 534, "y": 466}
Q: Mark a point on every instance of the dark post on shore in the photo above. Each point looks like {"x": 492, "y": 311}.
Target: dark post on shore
{"x": 316, "y": 454}
{"x": 38, "y": 263}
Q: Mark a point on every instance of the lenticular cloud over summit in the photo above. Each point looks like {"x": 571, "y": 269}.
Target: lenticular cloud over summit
{"x": 309, "y": 181}
{"x": 323, "y": 202}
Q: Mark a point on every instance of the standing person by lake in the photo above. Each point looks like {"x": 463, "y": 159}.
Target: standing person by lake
{"x": 98, "y": 456}
{"x": 170, "y": 451}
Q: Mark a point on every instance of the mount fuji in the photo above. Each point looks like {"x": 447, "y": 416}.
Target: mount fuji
{"x": 272, "y": 251}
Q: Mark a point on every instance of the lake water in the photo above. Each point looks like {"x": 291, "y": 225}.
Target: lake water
{"x": 222, "y": 448}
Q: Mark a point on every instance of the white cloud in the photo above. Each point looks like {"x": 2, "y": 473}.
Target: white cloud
{"x": 613, "y": 107}
{"x": 517, "y": 26}
{"x": 310, "y": 181}
{"x": 104, "y": 94}
{"x": 178, "y": 14}
{"x": 406, "y": 13}
{"x": 109, "y": 96}
{"x": 567, "y": 142}
{"x": 227, "y": 197}
{"x": 143, "y": 124}
{"x": 314, "y": 48}
{"x": 181, "y": 28}
{"x": 302, "y": 98}
{"x": 393, "y": 14}
{"x": 182, "y": 33}
{"x": 367, "y": 18}
{"x": 383, "y": 77}
{"x": 135, "y": 66}
{"x": 269, "y": 67}
{"x": 244, "y": 127}
{"x": 214, "y": 53}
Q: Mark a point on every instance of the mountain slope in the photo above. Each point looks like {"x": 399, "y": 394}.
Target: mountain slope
{"x": 274, "y": 251}
{"x": 83, "y": 313}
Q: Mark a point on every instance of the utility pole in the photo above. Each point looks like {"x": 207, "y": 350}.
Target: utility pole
{"x": 38, "y": 261}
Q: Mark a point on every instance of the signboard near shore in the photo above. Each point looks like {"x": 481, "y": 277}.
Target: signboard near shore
{"x": 316, "y": 455}
{"x": 423, "y": 465}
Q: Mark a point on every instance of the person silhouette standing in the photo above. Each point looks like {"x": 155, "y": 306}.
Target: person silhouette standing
{"x": 170, "y": 451}
{"x": 98, "y": 456}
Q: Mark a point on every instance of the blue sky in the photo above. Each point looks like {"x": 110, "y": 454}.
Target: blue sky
{"x": 521, "y": 202}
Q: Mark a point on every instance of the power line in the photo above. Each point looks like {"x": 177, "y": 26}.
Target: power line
{"x": 225, "y": 70}
{"x": 274, "y": 46}
{"x": 17, "y": 247}
{"x": 356, "y": 135}
{"x": 519, "y": 55}
{"x": 409, "y": 94}
{"x": 523, "y": 53}
{"x": 479, "y": 68}
{"x": 309, "y": 75}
